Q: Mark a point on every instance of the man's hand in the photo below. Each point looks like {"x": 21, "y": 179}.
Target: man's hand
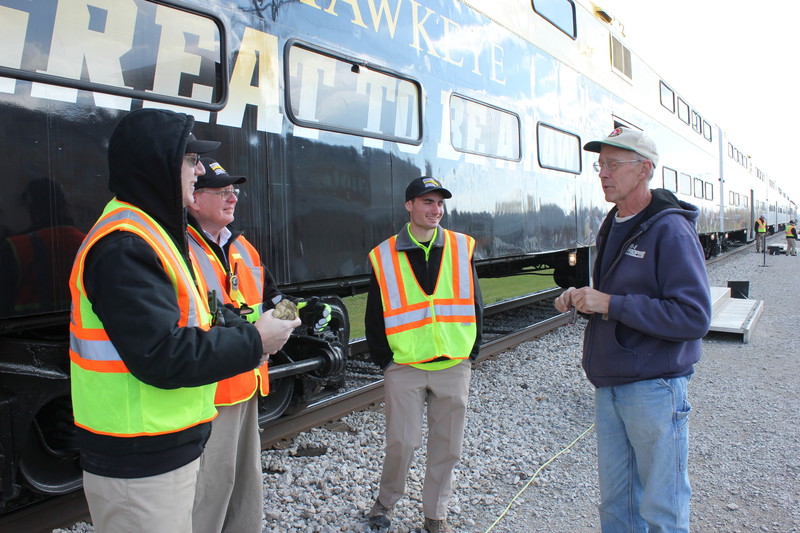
{"x": 586, "y": 300}
{"x": 274, "y": 331}
{"x": 314, "y": 313}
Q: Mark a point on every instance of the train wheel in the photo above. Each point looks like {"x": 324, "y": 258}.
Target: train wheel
{"x": 49, "y": 460}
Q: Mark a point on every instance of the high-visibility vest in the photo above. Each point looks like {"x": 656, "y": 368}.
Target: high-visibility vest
{"x": 421, "y": 327}
{"x": 244, "y": 284}
{"x": 44, "y": 258}
{"x": 761, "y": 227}
{"x": 107, "y": 399}
{"x": 790, "y": 231}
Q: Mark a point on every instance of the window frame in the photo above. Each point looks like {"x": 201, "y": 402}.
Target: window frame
{"x": 566, "y": 133}
{"x": 355, "y": 64}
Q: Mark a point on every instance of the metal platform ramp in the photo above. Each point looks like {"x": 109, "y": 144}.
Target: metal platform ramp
{"x": 733, "y": 315}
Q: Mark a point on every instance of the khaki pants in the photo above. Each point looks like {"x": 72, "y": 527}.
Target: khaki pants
{"x": 791, "y": 246}
{"x": 761, "y": 241}
{"x": 406, "y": 389}
{"x": 230, "y": 494}
{"x": 155, "y": 504}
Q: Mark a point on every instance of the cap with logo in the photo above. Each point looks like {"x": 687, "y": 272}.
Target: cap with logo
{"x": 424, "y": 185}
{"x": 215, "y": 176}
{"x": 629, "y": 139}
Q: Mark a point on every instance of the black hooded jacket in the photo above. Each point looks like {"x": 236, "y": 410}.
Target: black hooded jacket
{"x": 133, "y": 297}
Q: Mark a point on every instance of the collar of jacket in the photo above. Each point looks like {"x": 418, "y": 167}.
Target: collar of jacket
{"x": 405, "y": 243}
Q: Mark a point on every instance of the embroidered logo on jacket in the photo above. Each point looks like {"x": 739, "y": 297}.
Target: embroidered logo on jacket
{"x": 633, "y": 252}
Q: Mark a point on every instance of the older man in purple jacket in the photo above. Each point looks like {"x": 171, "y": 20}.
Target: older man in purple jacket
{"x": 648, "y": 311}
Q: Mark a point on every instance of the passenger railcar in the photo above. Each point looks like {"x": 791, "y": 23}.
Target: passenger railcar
{"x": 329, "y": 108}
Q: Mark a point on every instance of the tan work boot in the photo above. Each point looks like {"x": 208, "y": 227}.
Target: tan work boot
{"x": 380, "y": 516}
{"x": 437, "y": 526}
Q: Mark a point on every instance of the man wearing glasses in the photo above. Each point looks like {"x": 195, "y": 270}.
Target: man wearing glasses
{"x": 145, "y": 356}
{"x": 648, "y": 310}
{"x": 229, "y": 487}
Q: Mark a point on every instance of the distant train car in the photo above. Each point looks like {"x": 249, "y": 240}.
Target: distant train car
{"x": 330, "y": 109}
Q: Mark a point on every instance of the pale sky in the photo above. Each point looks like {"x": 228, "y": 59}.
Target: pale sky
{"x": 736, "y": 62}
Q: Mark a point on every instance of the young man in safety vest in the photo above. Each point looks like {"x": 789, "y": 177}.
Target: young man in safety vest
{"x": 229, "y": 489}
{"x": 791, "y": 238}
{"x": 145, "y": 355}
{"x": 423, "y": 326}
{"x": 761, "y": 233}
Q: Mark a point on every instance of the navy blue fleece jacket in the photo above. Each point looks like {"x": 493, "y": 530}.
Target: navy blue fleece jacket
{"x": 660, "y": 306}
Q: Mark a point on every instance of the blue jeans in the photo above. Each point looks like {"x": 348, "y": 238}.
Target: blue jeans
{"x": 643, "y": 447}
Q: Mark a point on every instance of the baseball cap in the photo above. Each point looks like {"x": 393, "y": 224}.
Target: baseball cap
{"x": 215, "y": 177}
{"x": 196, "y": 146}
{"x": 629, "y": 139}
{"x": 424, "y": 185}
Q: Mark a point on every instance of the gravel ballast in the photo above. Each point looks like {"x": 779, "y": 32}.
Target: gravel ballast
{"x": 529, "y": 436}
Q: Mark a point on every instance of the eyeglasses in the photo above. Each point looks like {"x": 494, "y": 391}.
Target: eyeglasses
{"x": 613, "y": 165}
{"x": 193, "y": 159}
{"x": 225, "y": 195}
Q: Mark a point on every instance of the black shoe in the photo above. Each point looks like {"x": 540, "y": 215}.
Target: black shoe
{"x": 380, "y": 516}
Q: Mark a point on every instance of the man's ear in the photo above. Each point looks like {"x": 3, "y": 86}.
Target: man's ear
{"x": 409, "y": 205}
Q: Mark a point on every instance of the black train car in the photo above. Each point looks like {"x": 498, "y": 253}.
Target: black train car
{"x": 329, "y": 108}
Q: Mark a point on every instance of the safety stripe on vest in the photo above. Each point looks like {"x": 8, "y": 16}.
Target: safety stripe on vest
{"x": 250, "y": 261}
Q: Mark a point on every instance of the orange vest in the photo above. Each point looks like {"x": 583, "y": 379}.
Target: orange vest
{"x": 244, "y": 284}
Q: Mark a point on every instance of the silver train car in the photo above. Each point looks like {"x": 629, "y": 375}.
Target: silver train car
{"x": 329, "y": 108}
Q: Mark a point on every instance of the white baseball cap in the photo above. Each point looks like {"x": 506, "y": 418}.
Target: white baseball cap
{"x": 629, "y": 139}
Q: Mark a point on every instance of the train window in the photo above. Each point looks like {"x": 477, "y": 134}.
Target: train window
{"x": 698, "y": 188}
{"x": 738, "y": 199}
{"x": 670, "y": 179}
{"x": 683, "y": 110}
{"x": 118, "y": 51}
{"x": 559, "y": 13}
{"x": 479, "y": 128}
{"x": 709, "y": 191}
{"x": 685, "y": 184}
{"x": 558, "y": 149}
{"x": 707, "y": 133}
{"x": 730, "y": 197}
{"x": 667, "y": 97}
{"x": 338, "y": 94}
{"x": 730, "y": 150}
{"x": 697, "y": 122}
{"x": 621, "y": 58}
{"x": 746, "y": 200}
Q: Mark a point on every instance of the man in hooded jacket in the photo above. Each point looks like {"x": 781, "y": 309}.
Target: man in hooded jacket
{"x": 648, "y": 311}
{"x": 145, "y": 355}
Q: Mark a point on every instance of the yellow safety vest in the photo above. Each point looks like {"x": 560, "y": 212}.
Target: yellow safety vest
{"x": 107, "y": 399}
{"x": 789, "y": 232}
{"x": 761, "y": 227}
{"x": 421, "y": 327}
{"x": 246, "y": 287}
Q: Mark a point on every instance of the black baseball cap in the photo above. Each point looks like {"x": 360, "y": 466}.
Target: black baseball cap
{"x": 215, "y": 177}
{"x": 424, "y": 185}
{"x": 196, "y": 146}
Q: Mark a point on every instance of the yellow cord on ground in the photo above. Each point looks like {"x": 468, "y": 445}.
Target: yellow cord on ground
{"x": 505, "y": 511}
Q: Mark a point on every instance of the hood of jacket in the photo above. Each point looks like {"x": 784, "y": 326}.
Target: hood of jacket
{"x": 663, "y": 202}
{"x": 145, "y": 154}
